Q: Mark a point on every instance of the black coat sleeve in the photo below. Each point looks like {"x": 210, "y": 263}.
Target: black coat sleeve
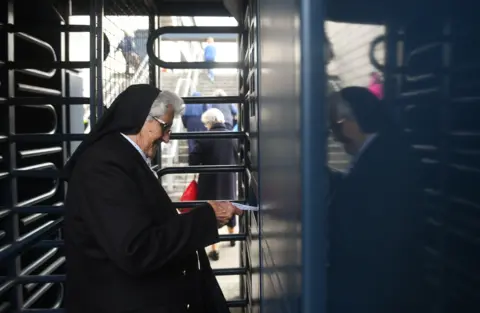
{"x": 126, "y": 231}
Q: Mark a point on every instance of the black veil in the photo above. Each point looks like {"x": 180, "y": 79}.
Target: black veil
{"x": 127, "y": 114}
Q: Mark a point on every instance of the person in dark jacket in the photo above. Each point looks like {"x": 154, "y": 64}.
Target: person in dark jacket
{"x": 218, "y": 186}
{"x": 192, "y": 119}
{"x": 229, "y": 111}
{"x": 127, "y": 248}
{"x": 376, "y": 218}
{"x": 128, "y": 49}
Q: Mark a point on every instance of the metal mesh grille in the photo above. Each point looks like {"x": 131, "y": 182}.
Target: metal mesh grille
{"x": 436, "y": 96}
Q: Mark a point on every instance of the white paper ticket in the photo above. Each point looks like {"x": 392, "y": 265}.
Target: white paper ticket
{"x": 244, "y": 207}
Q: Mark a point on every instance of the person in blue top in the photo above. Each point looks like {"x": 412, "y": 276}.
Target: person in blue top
{"x": 192, "y": 119}
{"x": 209, "y": 55}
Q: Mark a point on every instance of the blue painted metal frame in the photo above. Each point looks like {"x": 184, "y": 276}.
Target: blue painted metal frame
{"x": 314, "y": 157}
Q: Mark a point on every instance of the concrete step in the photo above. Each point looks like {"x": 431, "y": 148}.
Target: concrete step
{"x": 182, "y": 158}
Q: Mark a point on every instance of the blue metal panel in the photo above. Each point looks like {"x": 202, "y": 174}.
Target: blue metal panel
{"x": 314, "y": 157}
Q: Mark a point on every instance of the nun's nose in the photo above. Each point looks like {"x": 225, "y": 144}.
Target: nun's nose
{"x": 166, "y": 137}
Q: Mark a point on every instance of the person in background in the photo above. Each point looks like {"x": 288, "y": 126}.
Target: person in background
{"x": 376, "y": 217}
{"x": 127, "y": 47}
{"x": 192, "y": 119}
{"x": 229, "y": 111}
{"x": 209, "y": 55}
{"x": 128, "y": 249}
{"x": 215, "y": 186}
{"x": 376, "y": 85}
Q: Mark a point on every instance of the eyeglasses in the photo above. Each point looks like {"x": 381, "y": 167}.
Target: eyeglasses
{"x": 165, "y": 126}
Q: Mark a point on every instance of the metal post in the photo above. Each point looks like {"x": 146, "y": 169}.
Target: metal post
{"x": 13, "y": 267}
{"x": 65, "y": 57}
{"x": 153, "y": 74}
{"x": 314, "y": 157}
{"x": 93, "y": 63}
{"x": 99, "y": 5}
{"x": 152, "y": 25}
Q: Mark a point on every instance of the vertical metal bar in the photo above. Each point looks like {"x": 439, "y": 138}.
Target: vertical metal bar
{"x": 65, "y": 55}
{"x": 445, "y": 158}
{"x": 13, "y": 267}
{"x": 93, "y": 63}
{"x": 240, "y": 176}
{"x": 391, "y": 76}
{"x": 99, "y": 5}
{"x": 151, "y": 67}
{"x": 159, "y": 72}
{"x": 152, "y": 73}
{"x": 314, "y": 157}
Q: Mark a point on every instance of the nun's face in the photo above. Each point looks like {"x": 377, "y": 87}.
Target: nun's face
{"x": 159, "y": 129}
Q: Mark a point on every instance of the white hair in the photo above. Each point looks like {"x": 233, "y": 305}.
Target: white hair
{"x": 213, "y": 116}
{"x": 219, "y": 93}
{"x": 160, "y": 105}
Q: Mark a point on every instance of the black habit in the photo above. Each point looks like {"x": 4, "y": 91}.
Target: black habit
{"x": 127, "y": 248}
{"x": 376, "y": 229}
{"x": 215, "y": 186}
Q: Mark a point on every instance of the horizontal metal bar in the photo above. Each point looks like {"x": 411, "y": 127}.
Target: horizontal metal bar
{"x": 27, "y": 279}
{"x": 28, "y": 240}
{"x": 201, "y": 169}
{"x": 39, "y": 209}
{"x": 47, "y": 100}
{"x": 208, "y": 134}
{"x": 45, "y": 173}
{"x": 52, "y": 27}
{"x": 49, "y": 173}
{"x": 46, "y": 137}
{"x": 200, "y": 37}
{"x": 193, "y": 65}
{"x": 237, "y": 303}
{"x": 43, "y": 311}
{"x": 40, "y": 279}
{"x": 192, "y": 204}
{"x": 199, "y": 100}
{"x": 230, "y": 271}
{"x": 189, "y": 30}
{"x": 196, "y": 30}
{"x": 61, "y": 243}
{"x": 232, "y": 304}
{"x": 26, "y": 64}
{"x": 232, "y": 237}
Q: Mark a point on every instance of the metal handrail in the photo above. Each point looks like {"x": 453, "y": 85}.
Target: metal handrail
{"x": 135, "y": 78}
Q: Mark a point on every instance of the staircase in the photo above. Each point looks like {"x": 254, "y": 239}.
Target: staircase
{"x": 337, "y": 158}
{"x": 226, "y": 81}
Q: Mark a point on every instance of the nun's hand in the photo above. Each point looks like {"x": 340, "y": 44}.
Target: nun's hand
{"x": 224, "y": 211}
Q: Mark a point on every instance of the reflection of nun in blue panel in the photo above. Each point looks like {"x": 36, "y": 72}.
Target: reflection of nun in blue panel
{"x": 192, "y": 119}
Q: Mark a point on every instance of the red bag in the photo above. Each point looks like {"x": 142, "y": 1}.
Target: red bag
{"x": 190, "y": 194}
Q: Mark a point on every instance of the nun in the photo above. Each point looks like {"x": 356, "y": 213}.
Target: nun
{"x": 127, "y": 248}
